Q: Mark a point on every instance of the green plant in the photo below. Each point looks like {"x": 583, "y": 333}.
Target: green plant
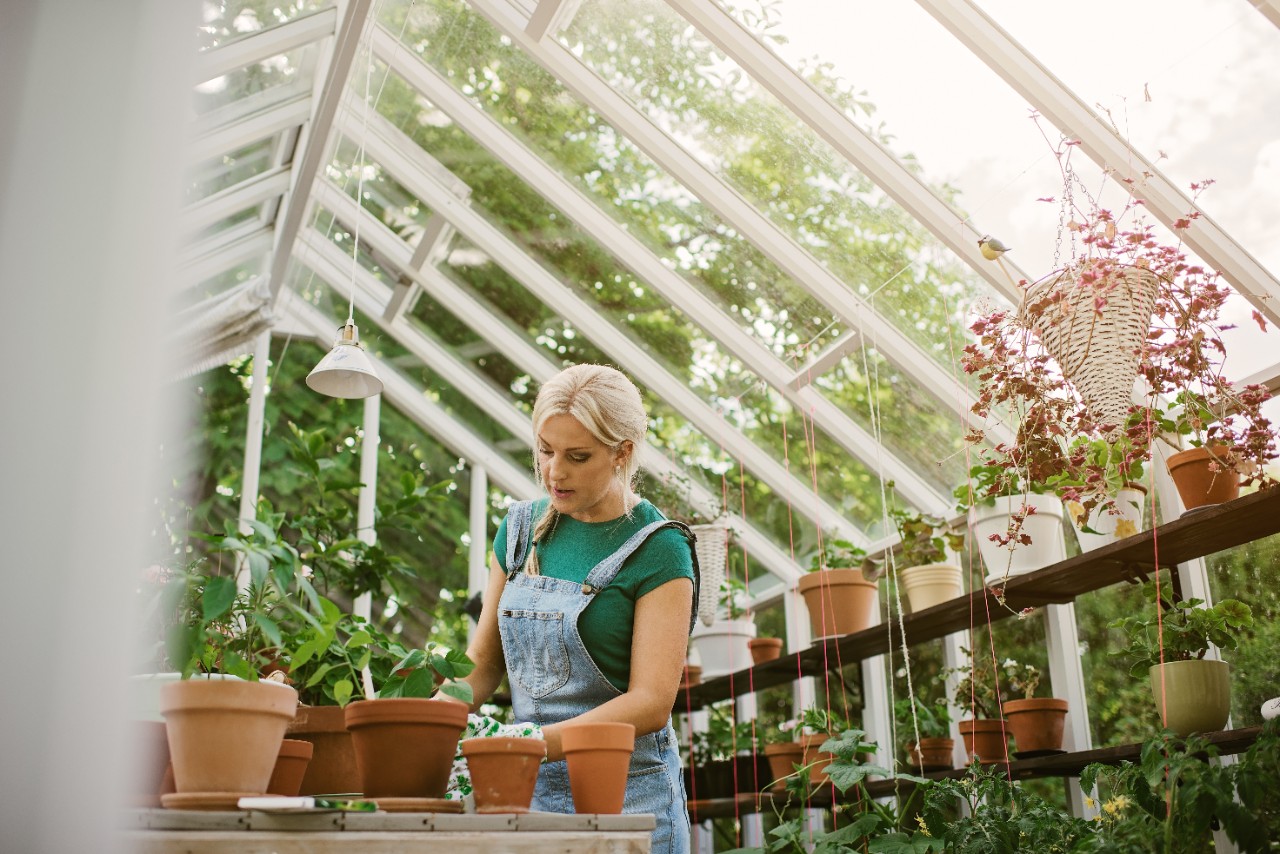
{"x": 979, "y": 686}
{"x": 931, "y": 720}
{"x": 1181, "y": 630}
{"x": 329, "y": 652}
{"x": 1097, "y": 470}
{"x": 423, "y": 671}
{"x": 837, "y": 554}
{"x": 924, "y": 538}
{"x": 724, "y": 738}
{"x": 672, "y": 494}
{"x": 733, "y": 597}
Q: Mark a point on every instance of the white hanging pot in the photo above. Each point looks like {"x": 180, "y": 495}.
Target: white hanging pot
{"x": 1097, "y": 344}
{"x": 712, "y": 547}
{"x": 1044, "y": 527}
{"x": 722, "y": 647}
{"x": 1110, "y": 524}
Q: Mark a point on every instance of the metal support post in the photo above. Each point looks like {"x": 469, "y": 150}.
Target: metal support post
{"x": 365, "y": 531}
{"x": 477, "y": 558}
{"x": 1066, "y": 679}
{"x": 253, "y": 445}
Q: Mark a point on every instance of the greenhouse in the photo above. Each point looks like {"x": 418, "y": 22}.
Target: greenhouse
{"x": 400, "y": 383}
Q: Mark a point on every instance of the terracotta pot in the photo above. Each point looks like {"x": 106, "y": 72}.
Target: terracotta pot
{"x": 1036, "y": 724}
{"x": 726, "y": 778}
{"x": 782, "y": 760}
{"x": 765, "y": 649}
{"x": 1196, "y": 695}
{"x": 150, "y": 752}
{"x": 598, "y": 755}
{"x": 988, "y": 740}
{"x": 405, "y": 745}
{"x": 840, "y": 602}
{"x": 291, "y": 767}
{"x": 332, "y": 769}
{"x": 224, "y": 735}
{"x": 816, "y": 759}
{"x": 931, "y": 584}
{"x": 1193, "y": 472}
{"x": 504, "y": 772}
{"x": 931, "y": 754}
{"x": 692, "y": 676}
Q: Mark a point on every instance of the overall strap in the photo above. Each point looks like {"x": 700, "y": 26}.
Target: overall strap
{"x": 605, "y": 571}
{"x": 519, "y": 530}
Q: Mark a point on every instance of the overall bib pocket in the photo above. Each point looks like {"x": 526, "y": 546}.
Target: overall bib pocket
{"x": 535, "y": 650}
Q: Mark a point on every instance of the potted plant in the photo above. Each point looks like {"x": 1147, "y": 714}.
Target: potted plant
{"x": 1037, "y": 723}
{"x": 764, "y": 649}
{"x": 932, "y": 722}
{"x": 925, "y": 575}
{"x": 1015, "y": 516}
{"x": 405, "y": 741}
{"x": 1103, "y": 491}
{"x": 986, "y": 733}
{"x": 1192, "y": 692}
{"x": 839, "y": 598}
{"x": 803, "y": 752}
{"x": 723, "y": 647}
{"x": 722, "y": 758}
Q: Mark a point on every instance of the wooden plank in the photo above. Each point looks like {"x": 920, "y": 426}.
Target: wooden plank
{"x": 256, "y": 842}
{"x": 1195, "y": 535}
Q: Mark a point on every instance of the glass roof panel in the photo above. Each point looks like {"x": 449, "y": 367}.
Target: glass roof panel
{"x": 227, "y": 170}
{"x": 225, "y": 223}
{"x": 276, "y": 72}
{"x": 223, "y": 22}
{"x": 384, "y": 197}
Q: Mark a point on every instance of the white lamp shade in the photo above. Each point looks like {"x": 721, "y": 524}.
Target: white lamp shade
{"x": 347, "y": 371}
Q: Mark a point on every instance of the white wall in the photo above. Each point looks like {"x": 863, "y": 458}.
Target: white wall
{"x": 93, "y": 102}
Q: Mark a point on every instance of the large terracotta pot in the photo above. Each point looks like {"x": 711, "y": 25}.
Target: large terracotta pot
{"x": 598, "y": 755}
{"x": 816, "y": 759}
{"x": 291, "y": 766}
{"x": 782, "y": 759}
{"x": 405, "y": 745}
{"x": 840, "y": 602}
{"x": 1036, "y": 724}
{"x": 1196, "y": 695}
{"x": 1199, "y": 484}
{"x": 931, "y": 585}
{"x": 986, "y": 739}
{"x": 765, "y": 649}
{"x": 224, "y": 735}
{"x": 931, "y": 754}
{"x": 332, "y": 769}
{"x": 504, "y": 772}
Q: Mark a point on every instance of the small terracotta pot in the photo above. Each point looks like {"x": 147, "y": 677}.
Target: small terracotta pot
{"x": 931, "y": 754}
{"x": 782, "y": 759}
{"x": 291, "y": 767}
{"x": 405, "y": 745}
{"x": 332, "y": 769}
{"x": 224, "y": 735}
{"x": 598, "y": 756}
{"x": 1036, "y": 724}
{"x": 1201, "y": 480}
{"x": 840, "y": 601}
{"x": 765, "y": 649}
{"x": 692, "y": 676}
{"x": 1192, "y": 696}
{"x": 504, "y": 772}
{"x": 986, "y": 739}
{"x": 816, "y": 759}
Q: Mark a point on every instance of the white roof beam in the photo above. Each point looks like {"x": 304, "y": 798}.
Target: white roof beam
{"x": 409, "y": 399}
{"x": 199, "y": 263}
{"x": 778, "y": 246}
{"x": 232, "y": 200}
{"x": 235, "y": 135}
{"x": 514, "y": 344}
{"x": 1268, "y": 377}
{"x": 680, "y": 293}
{"x": 826, "y": 360}
{"x": 315, "y": 144}
{"x": 1270, "y": 9}
{"x": 1024, "y": 73}
{"x": 844, "y": 135}
{"x": 283, "y": 38}
{"x": 390, "y": 146}
{"x": 551, "y": 17}
{"x": 431, "y": 246}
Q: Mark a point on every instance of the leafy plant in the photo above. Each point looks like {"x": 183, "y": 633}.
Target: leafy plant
{"x": 733, "y": 597}
{"x": 1184, "y": 630}
{"x": 931, "y": 720}
{"x": 723, "y": 739}
{"x": 924, "y": 538}
{"x": 837, "y": 554}
{"x": 422, "y": 671}
{"x": 979, "y": 686}
{"x": 330, "y": 651}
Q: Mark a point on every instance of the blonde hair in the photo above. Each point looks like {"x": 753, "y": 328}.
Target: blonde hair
{"x": 608, "y": 405}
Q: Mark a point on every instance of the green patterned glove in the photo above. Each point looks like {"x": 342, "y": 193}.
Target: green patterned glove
{"x": 481, "y": 726}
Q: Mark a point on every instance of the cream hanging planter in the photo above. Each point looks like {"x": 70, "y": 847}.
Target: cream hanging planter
{"x": 712, "y": 548}
{"x": 1093, "y": 318}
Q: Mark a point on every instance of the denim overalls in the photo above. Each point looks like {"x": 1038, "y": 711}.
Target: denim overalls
{"x": 553, "y": 678}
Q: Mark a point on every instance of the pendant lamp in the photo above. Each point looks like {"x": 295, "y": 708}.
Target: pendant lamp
{"x": 347, "y": 371}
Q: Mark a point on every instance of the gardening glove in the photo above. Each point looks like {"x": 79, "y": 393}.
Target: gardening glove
{"x": 481, "y": 726}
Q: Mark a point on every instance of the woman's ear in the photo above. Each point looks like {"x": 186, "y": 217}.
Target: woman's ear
{"x": 623, "y": 455}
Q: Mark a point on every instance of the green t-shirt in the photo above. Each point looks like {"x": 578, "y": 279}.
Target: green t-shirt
{"x": 575, "y": 548}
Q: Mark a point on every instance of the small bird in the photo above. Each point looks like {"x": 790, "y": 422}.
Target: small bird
{"x": 991, "y": 247}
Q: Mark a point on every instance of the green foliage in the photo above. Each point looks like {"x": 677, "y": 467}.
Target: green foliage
{"x": 328, "y": 651}
{"x": 422, "y": 671}
{"x": 931, "y": 720}
{"x": 724, "y": 738}
{"x": 980, "y": 683}
{"x": 1183, "y": 630}
{"x": 924, "y": 538}
{"x": 837, "y": 554}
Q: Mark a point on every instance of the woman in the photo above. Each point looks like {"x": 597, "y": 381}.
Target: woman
{"x": 590, "y": 594}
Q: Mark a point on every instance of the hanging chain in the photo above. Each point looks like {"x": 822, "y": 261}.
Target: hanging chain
{"x": 1065, "y": 205}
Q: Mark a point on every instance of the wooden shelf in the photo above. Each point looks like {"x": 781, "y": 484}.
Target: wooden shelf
{"x": 1195, "y": 535}
{"x": 1062, "y": 765}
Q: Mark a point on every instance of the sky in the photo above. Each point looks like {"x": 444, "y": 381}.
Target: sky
{"x": 1210, "y": 69}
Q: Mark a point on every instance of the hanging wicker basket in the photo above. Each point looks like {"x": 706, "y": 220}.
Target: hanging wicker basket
{"x": 713, "y": 553}
{"x": 1093, "y": 319}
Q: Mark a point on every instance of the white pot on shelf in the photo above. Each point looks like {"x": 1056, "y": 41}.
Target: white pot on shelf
{"x": 931, "y": 584}
{"x": 722, "y": 647}
{"x": 1111, "y": 525}
{"x": 1048, "y": 544}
